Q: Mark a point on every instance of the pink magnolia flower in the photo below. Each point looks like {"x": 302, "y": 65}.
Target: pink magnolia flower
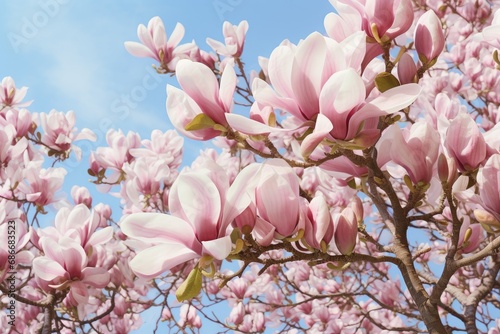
{"x": 390, "y": 18}
{"x": 81, "y": 195}
{"x": 10, "y": 96}
{"x": 429, "y": 37}
{"x": 465, "y": 143}
{"x": 234, "y": 38}
{"x": 155, "y": 44}
{"x": 200, "y": 94}
{"x": 298, "y": 73}
{"x": 346, "y": 231}
{"x": 59, "y": 132}
{"x": 273, "y": 187}
{"x": 21, "y": 120}
{"x": 491, "y": 34}
{"x": 118, "y": 152}
{"x": 41, "y": 185}
{"x": 488, "y": 179}
{"x": 65, "y": 265}
{"x": 319, "y": 226}
{"x": 407, "y": 70}
{"x": 80, "y": 224}
{"x": 346, "y": 115}
{"x": 200, "y": 211}
{"x": 415, "y": 150}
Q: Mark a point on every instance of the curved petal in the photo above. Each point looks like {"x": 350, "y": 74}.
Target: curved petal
{"x": 156, "y": 228}
{"x": 96, "y": 277}
{"x": 218, "y": 248}
{"x": 227, "y": 87}
{"x": 151, "y": 262}
{"x": 199, "y": 201}
{"x": 200, "y": 83}
{"x": 321, "y": 130}
{"x": 139, "y": 50}
{"x": 47, "y": 269}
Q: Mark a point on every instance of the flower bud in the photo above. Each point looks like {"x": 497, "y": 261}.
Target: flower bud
{"x": 429, "y": 37}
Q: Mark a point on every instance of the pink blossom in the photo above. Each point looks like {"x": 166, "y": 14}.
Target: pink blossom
{"x": 41, "y": 185}
{"x": 346, "y": 115}
{"x": 200, "y": 94}
{"x": 319, "y": 223}
{"x": 491, "y": 34}
{"x": 21, "y": 120}
{"x": 81, "y": 195}
{"x": 189, "y": 317}
{"x": 118, "y": 151}
{"x": 80, "y": 224}
{"x": 10, "y": 96}
{"x": 273, "y": 187}
{"x": 415, "y": 150}
{"x": 429, "y": 37}
{"x": 407, "y": 70}
{"x": 298, "y": 73}
{"x": 488, "y": 179}
{"x": 155, "y": 44}
{"x": 59, "y": 132}
{"x": 346, "y": 231}
{"x": 234, "y": 38}
{"x": 64, "y": 265}
{"x": 465, "y": 143}
{"x": 196, "y": 226}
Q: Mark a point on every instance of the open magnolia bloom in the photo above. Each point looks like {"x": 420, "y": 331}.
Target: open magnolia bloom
{"x": 200, "y": 215}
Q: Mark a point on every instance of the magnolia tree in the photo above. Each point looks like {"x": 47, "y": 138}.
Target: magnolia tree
{"x": 355, "y": 187}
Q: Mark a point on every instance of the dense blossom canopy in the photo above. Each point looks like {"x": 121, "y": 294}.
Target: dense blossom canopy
{"x": 353, "y": 187}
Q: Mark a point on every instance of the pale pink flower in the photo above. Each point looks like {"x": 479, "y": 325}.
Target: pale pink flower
{"x": 346, "y": 231}
{"x": 200, "y": 94}
{"x": 189, "y": 317}
{"x": 429, "y": 37}
{"x": 407, "y": 70}
{"x": 491, "y": 34}
{"x": 21, "y": 120}
{"x": 298, "y": 73}
{"x": 59, "y": 132}
{"x": 41, "y": 185}
{"x": 488, "y": 179}
{"x": 465, "y": 143}
{"x": 234, "y": 39}
{"x": 64, "y": 266}
{"x": 416, "y": 150}
{"x": 10, "y": 96}
{"x": 81, "y": 195}
{"x": 80, "y": 224}
{"x": 155, "y": 44}
{"x": 319, "y": 226}
{"x": 273, "y": 187}
{"x": 346, "y": 114}
{"x": 118, "y": 151}
{"x": 201, "y": 210}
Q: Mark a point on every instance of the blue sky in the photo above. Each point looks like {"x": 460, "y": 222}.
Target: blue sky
{"x": 71, "y": 56}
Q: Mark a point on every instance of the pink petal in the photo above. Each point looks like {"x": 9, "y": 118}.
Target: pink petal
{"x": 96, "y": 277}
{"x": 218, "y": 248}
{"x": 321, "y": 130}
{"x": 199, "y": 202}
{"x": 47, "y": 269}
{"x": 139, "y": 50}
{"x": 200, "y": 83}
{"x": 227, "y": 87}
{"x": 153, "y": 261}
{"x": 159, "y": 228}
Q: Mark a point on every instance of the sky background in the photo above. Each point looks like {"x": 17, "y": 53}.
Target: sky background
{"x": 71, "y": 56}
